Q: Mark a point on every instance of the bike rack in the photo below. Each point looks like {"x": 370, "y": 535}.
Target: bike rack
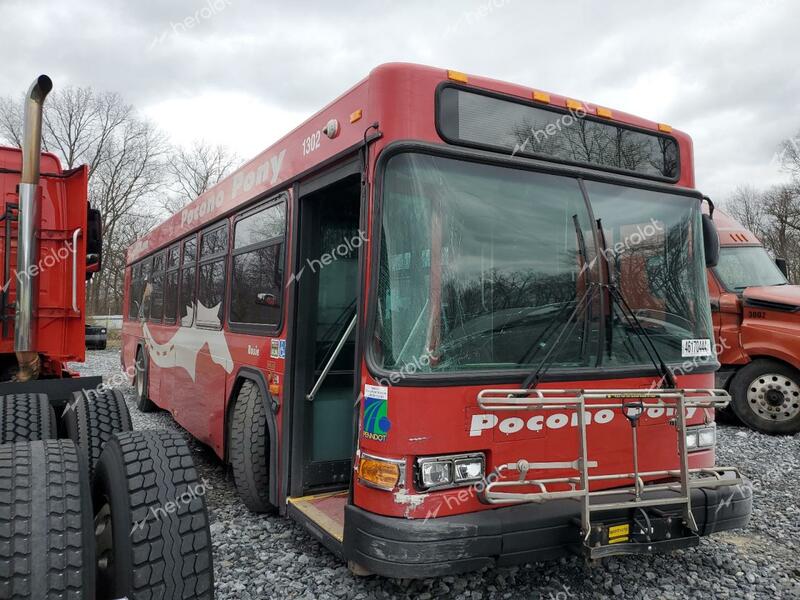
{"x": 683, "y": 478}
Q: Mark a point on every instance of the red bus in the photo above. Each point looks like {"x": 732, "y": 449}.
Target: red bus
{"x": 756, "y": 323}
{"x": 449, "y": 322}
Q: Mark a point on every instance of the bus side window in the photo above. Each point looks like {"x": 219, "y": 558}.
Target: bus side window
{"x": 171, "y": 285}
{"x": 257, "y": 267}
{"x": 157, "y": 291}
{"x": 211, "y": 276}
{"x": 186, "y": 299}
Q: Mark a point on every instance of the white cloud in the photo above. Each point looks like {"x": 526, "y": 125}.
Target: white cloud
{"x": 722, "y": 70}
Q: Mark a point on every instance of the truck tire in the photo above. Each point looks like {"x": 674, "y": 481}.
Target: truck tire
{"x": 46, "y": 528}
{"x": 92, "y": 418}
{"x": 766, "y": 397}
{"x": 151, "y": 525}
{"x": 140, "y": 383}
{"x": 26, "y": 417}
{"x": 248, "y": 449}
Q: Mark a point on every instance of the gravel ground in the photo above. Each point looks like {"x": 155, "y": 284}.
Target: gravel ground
{"x": 258, "y": 556}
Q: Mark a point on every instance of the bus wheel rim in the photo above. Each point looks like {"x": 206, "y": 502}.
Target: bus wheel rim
{"x": 774, "y": 397}
{"x": 104, "y": 546}
{"x": 139, "y": 378}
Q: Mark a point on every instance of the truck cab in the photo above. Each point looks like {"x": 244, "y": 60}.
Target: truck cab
{"x": 756, "y": 317}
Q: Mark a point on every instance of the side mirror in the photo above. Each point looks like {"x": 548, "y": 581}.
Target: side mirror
{"x": 710, "y": 242}
{"x": 781, "y": 264}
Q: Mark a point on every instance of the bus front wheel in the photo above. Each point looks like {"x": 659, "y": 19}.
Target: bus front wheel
{"x": 766, "y": 397}
{"x": 248, "y": 449}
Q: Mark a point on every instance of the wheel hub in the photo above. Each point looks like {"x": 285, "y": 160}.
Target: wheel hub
{"x": 104, "y": 548}
{"x": 774, "y": 397}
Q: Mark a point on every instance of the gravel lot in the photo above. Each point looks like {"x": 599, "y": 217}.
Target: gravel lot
{"x": 271, "y": 557}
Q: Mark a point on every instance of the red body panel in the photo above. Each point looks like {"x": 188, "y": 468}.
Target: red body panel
{"x": 63, "y": 210}
{"x": 424, "y": 419}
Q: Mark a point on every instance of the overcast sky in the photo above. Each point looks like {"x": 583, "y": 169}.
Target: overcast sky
{"x": 242, "y": 72}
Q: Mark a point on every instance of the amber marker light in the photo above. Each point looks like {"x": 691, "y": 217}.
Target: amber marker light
{"x": 379, "y": 473}
{"x": 541, "y": 96}
{"x": 457, "y": 76}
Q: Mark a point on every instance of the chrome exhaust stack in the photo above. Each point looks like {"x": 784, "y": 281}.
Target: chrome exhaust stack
{"x": 27, "y": 224}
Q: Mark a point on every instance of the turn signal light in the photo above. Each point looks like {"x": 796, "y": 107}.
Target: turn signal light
{"x": 379, "y": 473}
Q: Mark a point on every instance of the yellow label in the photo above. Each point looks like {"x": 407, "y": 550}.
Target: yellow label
{"x": 618, "y": 540}
{"x": 619, "y": 530}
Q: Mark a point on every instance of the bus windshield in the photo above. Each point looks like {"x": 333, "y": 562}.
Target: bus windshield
{"x": 483, "y": 267}
{"x": 747, "y": 266}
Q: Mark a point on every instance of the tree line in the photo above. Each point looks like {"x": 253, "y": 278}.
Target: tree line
{"x": 136, "y": 176}
{"x": 773, "y": 213}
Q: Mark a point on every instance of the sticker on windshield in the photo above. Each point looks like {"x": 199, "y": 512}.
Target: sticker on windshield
{"x": 693, "y": 348}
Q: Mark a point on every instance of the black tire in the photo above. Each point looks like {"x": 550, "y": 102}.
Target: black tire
{"x": 152, "y": 532}
{"x": 26, "y": 417}
{"x": 92, "y": 418}
{"x": 46, "y": 527}
{"x": 141, "y": 381}
{"x": 766, "y": 397}
{"x": 248, "y": 449}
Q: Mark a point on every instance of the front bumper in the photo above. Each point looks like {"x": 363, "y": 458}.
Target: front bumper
{"x": 396, "y": 547}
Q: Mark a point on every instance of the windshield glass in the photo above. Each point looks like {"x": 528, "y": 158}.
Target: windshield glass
{"x": 747, "y": 266}
{"x": 482, "y": 266}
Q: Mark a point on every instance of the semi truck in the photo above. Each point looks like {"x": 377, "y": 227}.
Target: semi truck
{"x": 89, "y": 508}
{"x": 756, "y": 316}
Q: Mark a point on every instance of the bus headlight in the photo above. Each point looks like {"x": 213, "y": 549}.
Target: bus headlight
{"x": 701, "y": 437}
{"x": 439, "y": 472}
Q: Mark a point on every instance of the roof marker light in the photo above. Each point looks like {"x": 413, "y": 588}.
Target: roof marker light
{"x": 457, "y": 76}
{"x": 541, "y": 96}
{"x": 664, "y": 127}
{"x": 356, "y": 115}
{"x": 605, "y": 112}
{"x": 574, "y": 104}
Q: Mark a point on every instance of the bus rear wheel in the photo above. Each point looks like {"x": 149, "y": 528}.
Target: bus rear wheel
{"x": 140, "y": 380}
{"x": 248, "y": 449}
{"x": 46, "y": 530}
{"x": 766, "y": 397}
{"x": 151, "y": 523}
{"x": 92, "y": 418}
{"x": 26, "y": 417}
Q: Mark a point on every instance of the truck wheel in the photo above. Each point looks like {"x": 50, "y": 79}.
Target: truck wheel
{"x": 26, "y": 417}
{"x": 46, "y": 529}
{"x": 248, "y": 449}
{"x": 140, "y": 381}
{"x": 766, "y": 397}
{"x": 92, "y": 418}
{"x": 151, "y": 526}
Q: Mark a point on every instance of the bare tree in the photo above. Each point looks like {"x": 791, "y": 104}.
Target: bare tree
{"x": 746, "y": 205}
{"x": 128, "y": 178}
{"x": 195, "y": 169}
{"x": 11, "y": 116}
{"x": 126, "y": 158}
{"x": 789, "y": 155}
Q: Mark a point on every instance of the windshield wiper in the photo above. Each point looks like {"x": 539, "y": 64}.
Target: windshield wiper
{"x": 667, "y": 376}
{"x": 532, "y": 380}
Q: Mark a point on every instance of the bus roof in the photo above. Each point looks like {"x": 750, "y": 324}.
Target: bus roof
{"x": 400, "y": 97}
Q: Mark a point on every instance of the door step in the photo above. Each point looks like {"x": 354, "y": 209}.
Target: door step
{"x": 326, "y": 511}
